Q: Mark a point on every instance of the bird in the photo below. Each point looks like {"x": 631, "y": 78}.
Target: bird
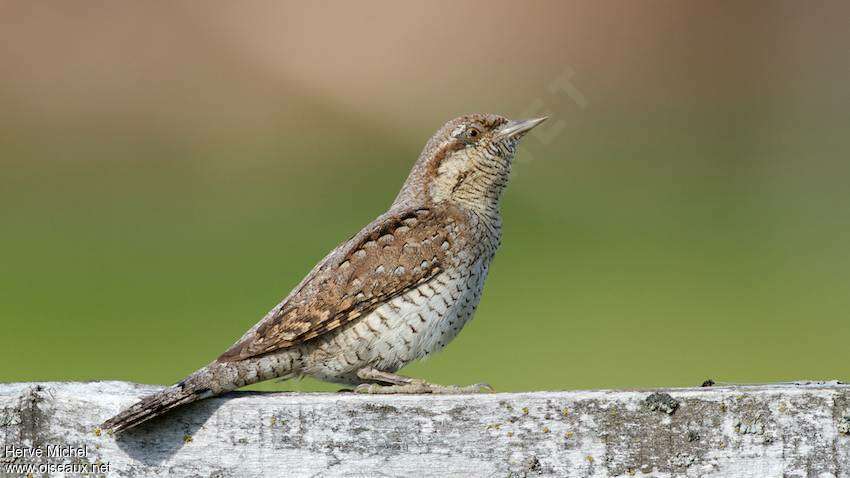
{"x": 397, "y": 291}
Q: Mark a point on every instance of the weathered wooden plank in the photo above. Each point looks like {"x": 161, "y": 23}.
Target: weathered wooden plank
{"x": 749, "y": 431}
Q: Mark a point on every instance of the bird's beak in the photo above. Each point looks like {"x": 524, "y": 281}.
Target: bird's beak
{"x": 518, "y": 127}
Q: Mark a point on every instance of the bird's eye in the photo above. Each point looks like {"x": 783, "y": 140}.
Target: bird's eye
{"x": 472, "y": 133}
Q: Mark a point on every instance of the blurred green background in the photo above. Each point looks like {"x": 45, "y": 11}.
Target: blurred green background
{"x": 170, "y": 170}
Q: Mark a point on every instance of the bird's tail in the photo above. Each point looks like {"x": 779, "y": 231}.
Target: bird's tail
{"x": 195, "y": 387}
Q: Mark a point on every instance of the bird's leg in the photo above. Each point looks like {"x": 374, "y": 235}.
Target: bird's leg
{"x": 399, "y": 384}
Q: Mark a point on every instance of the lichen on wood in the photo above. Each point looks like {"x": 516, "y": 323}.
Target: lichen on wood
{"x": 798, "y": 429}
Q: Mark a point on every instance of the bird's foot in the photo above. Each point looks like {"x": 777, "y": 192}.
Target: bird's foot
{"x": 416, "y": 386}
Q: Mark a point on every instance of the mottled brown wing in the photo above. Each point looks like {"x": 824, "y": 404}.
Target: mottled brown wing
{"x": 396, "y": 252}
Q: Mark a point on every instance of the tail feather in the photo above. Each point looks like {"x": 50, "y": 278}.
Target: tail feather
{"x": 157, "y": 404}
{"x": 215, "y": 378}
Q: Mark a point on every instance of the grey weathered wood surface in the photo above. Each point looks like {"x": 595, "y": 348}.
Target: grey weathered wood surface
{"x": 794, "y": 430}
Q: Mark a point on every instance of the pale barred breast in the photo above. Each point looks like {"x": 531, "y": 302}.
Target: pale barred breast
{"x": 407, "y": 328}
{"x": 455, "y": 297}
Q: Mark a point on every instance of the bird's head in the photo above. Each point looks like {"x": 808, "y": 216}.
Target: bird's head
{"x": 468, "y": 161}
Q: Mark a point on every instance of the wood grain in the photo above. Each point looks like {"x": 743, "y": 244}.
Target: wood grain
{"x": 798, "y": 429}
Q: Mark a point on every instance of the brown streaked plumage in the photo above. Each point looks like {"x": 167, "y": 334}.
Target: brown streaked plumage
{"x": 350, "y": 283}
{"x": 398, "y": 290}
